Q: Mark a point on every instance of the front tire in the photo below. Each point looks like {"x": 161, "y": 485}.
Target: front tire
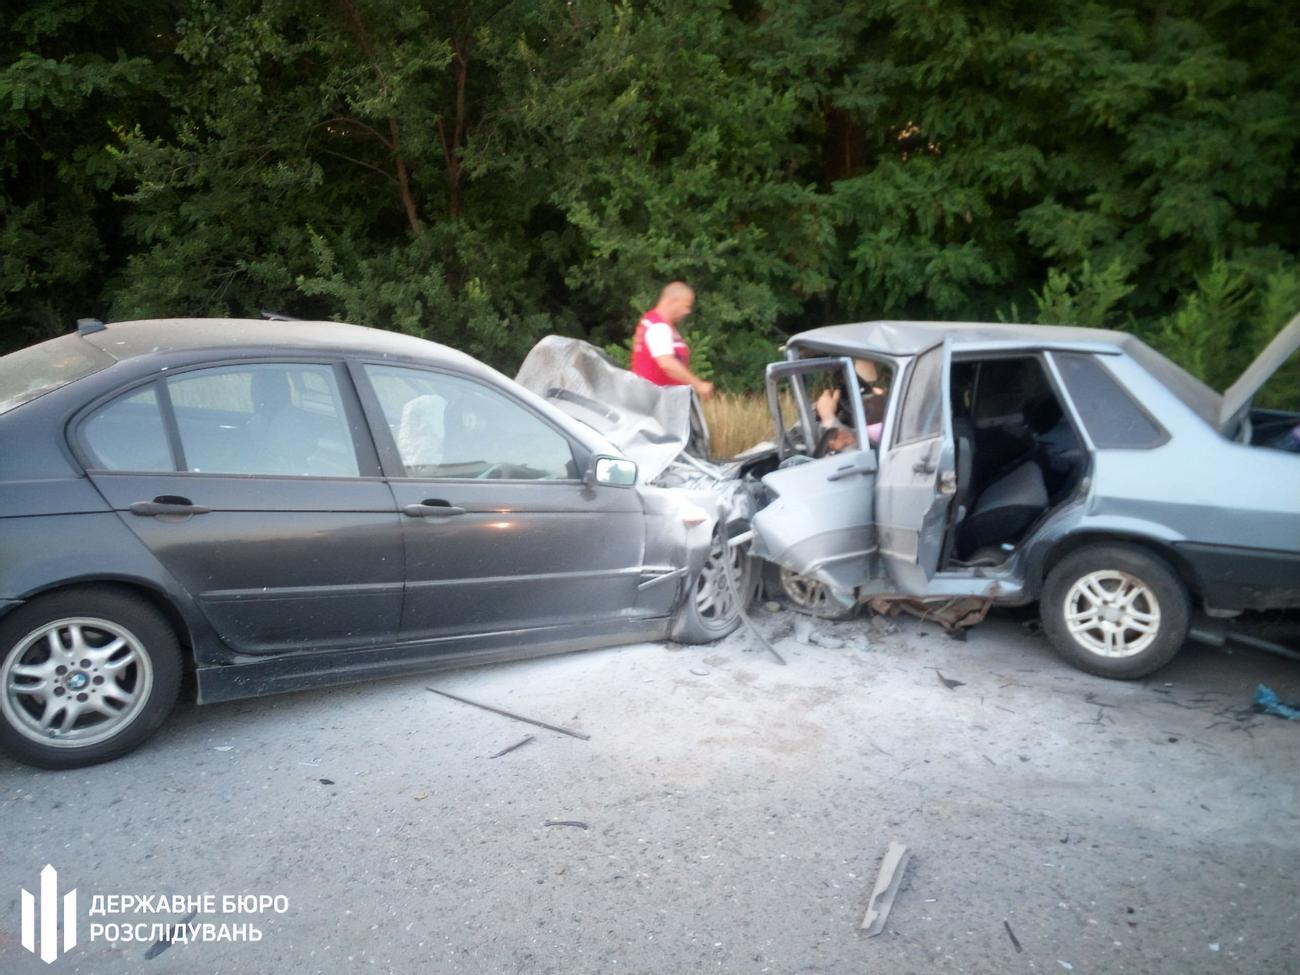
{"x": 804, "y": 593}
{"x": 1115, "y": 610}
{"x": 86, "y": 675}
{"x": 709, "y": 611}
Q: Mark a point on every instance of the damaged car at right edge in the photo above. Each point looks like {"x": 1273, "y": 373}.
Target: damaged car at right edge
{"x": 1008, "y": 464}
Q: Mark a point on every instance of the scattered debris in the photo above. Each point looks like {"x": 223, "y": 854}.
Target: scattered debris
{"x": 1091, "y": 698}
{"x": 772, "y": 606}
{"x": 989, "y": 760}
{"x": 1032, "y": 627}
{"x": 420, "y": 796}
{"x": 884, "y": 625}
{"x": 162, "y": 944}
{"x": 700, "y": 671}
{"x": 951, "y": 614}
{"x": 948, "y": 682}
{"x": 887, "y": 883}
{"x": 958, "y": 635}
{"x": 326, "y": 781}
{"x": 567, "y": 822}
{"x": 827, "y": 640}
{"x": 803, "y": 630}
{"x": 511, "y": 714}
{"x": 509, "y": 748}
{"x": 1015, "y": 942}
{"x": 1065, "y": 964}
{"x": 1267, "y": 701}
{"x": 222, "y": 748}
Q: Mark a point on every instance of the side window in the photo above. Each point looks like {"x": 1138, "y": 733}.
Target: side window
{"x": 263, "y": 419}
{"x": 1111, "y": 416}
{"x": 446, "y": 427}
{"x": 922, "y": 415}
{"x": 128, "y": 434}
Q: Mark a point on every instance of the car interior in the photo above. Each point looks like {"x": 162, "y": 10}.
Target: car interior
{"x": 1017, "y": 453}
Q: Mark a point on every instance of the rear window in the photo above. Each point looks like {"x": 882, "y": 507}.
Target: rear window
{"x": 1112, "y": 417}
{"x": 41, "y": 369}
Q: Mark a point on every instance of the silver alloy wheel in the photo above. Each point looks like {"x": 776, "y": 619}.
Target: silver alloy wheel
{"x": 808, "y": 593}
{"x": 1112, "y": 613}
{"x": 714, "y": 602}
{"x": 75, "y": 682}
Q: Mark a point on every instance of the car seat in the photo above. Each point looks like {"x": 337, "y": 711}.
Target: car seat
{"x": 1004, "y": 509}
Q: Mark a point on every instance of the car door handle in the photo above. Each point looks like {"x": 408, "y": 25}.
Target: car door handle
{"x": 432, "y": 508}
{"x": 924, "y": 467}
{"x": 167, "y": 504}
{"x": 848, "y": 470}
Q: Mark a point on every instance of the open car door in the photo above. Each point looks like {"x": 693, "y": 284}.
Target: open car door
{"x": 917, "y": 477}
{"x": 820, "y": 522}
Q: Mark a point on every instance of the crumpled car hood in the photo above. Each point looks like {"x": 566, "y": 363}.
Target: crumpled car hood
{"x": 650, "y": 424}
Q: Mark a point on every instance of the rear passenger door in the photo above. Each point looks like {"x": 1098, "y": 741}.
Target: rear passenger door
{"x": 257, "y": 486}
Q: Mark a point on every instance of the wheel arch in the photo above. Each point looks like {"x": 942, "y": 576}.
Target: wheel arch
{"x": 140, "y": 589}
{"x": 1154, "y": 546}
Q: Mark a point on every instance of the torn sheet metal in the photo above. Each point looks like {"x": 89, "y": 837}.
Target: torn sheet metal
{"x": 651, "y": 424}
{"x": 886, "y": 889}
{"x": 951, "y": 614}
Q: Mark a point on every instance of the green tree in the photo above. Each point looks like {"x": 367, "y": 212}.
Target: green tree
{"x": 71, "y": 74}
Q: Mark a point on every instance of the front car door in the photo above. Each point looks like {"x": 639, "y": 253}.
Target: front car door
{"x": 820, "y": 522}
{"x": 256, "y": 485}
{"x": 917, "y": 476}
{"x": 502, "y": 533}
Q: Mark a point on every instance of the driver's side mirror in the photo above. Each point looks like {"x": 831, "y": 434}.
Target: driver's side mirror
{"x": 611, "y": 471}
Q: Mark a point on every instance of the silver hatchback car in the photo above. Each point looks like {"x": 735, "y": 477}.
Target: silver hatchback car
{"x": 1007, "y": 464}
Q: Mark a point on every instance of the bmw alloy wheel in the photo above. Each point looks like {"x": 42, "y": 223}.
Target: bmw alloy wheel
{"x": 75, "y": 682}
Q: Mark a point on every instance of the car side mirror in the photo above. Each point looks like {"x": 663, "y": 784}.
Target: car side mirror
{"x": 612, "y": 471}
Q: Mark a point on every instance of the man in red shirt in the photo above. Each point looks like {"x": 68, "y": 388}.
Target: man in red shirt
{"x": 659, "y": 353}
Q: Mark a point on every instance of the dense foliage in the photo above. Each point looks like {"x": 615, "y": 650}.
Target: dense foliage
{"x": 483, "y": 173}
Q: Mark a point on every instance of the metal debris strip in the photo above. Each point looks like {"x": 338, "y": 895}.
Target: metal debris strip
{"x": 509, "y": 748}
{"x": 886, "y": 889}
{"x": 1015, "y": 942}
{"x": 740, "y": 602}
{"x": 567, "y": 822}
{"x": 162, "y": 944}
{"x": 510, "y": 714}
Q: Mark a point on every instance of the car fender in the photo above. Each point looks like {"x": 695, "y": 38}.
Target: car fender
{"x": 679, "y": 526}
{"x": 45, "y": 553}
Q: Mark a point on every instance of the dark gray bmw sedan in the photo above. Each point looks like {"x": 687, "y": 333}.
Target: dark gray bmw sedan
{"x": 282, "y": 505}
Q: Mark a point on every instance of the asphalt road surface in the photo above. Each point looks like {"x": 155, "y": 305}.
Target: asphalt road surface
{"x": 733, "y": 814}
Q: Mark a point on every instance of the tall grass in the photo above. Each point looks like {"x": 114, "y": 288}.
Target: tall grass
{"x": 736, "y": 421}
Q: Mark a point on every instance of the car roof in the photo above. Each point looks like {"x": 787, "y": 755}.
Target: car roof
{"x": 909, "y": 338}
{"x": 127, "y": 340}
{"x": 902, "y": 339}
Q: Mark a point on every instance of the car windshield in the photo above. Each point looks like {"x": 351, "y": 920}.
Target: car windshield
{"x": 43, "y": 368}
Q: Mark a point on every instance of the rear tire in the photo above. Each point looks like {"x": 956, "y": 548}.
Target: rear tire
{"x": 86, "y": 675}
{"x": 709, "y": 610}
{"x": 1115, "y": 610}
